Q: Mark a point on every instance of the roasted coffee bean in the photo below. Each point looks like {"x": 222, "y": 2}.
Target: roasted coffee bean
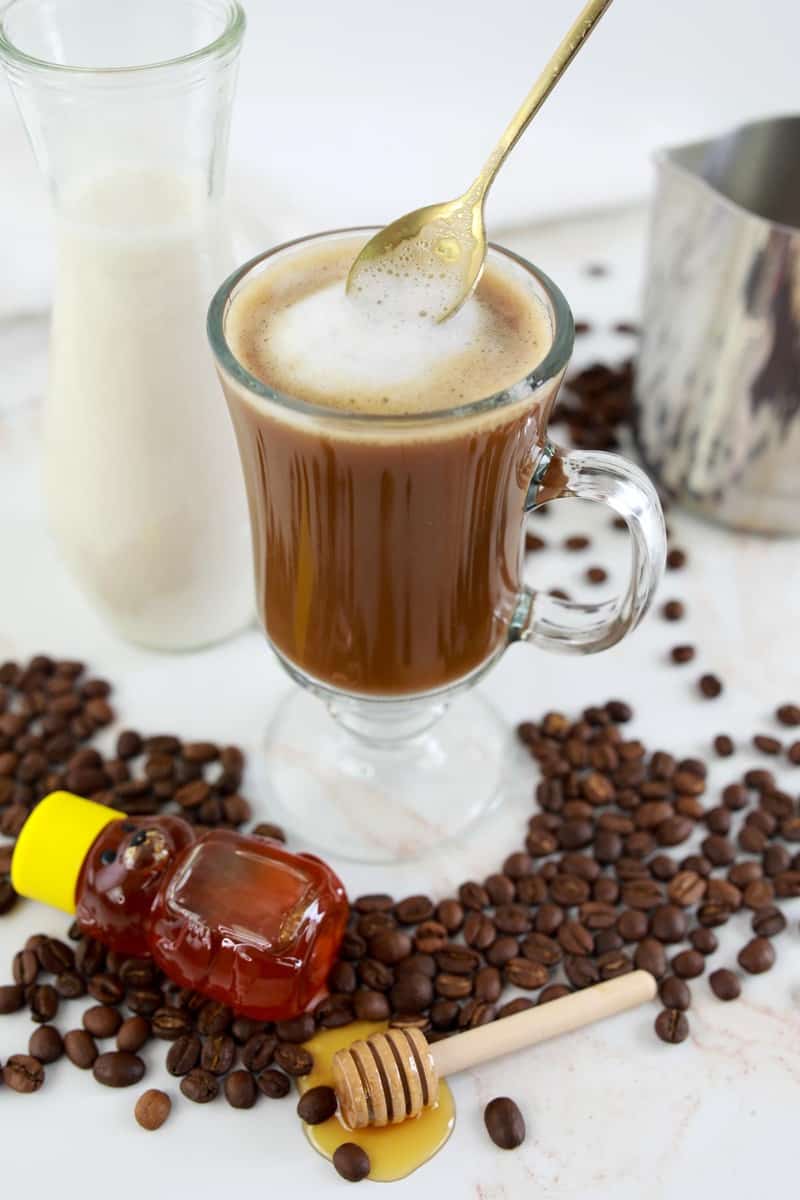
{"x": 712, "y": 914}
{"x": 509, "y": 918}
{"x": 766, "y": 744}
{"x": 553, "y": 991}
{"x": 184, "y": 1054}
{"x": 370, "y": 1006}
{"x": 374, "y": 902}
{"x": 118, "y": 1068}
{"x": 722, "y": 891}
{"x": 613, "y": 963}
{"x": 674, "y": 993}
{"x": 353, "y": 947}
{"x": 745, "y": 872}
{"x": 651, "y": 956}
{"x": 502, "y": 951}
{"x": 411, "y": 994}
{"x": 758, "y": 894}
{"x": 703, "y": 940}
{"x": 688, "y": 964}
{"x": 12, "y": 998}
{"x": 414, "y": 909}
{"x": 267, "y": 829}
{"x": 55, "y": 956}
{"x": 723, "y": 745}
{"x": 668, "y": 923}
{"x": 43, "y": 1002}
{"x": 674, "y": 830}
{"x": 525, "y": 974}
{"x": 672, "y": 1026}
{"x": 430, "y": 936}
{"x": 788, "y": 714}
{"x": 351, "y": 1162}
{"x": 316, "y": 1105}
{"x": 299, "y": 1029}
{"x": 632, "y": 925}
{"x": 389, "y": 946}
{"x": 45, "y": 1044}
{"x": 472, "y": 895}
{"x": 710, "y": 687}
{"x": 664, "y": 868}
{"x": 25, "y": 967}
{"x": 200, "y": 1086}
{"x": 218, "y": 1054}
{"x": 273, "y": 1083}
{"x": 673, "y": 610}
{"x": 757, "y": 956}
{"x": 80, "y": 1048}
{"x": 548, "y": 918}
{"x": 152, "y": 1109}
{"x": 240, "y": 1089}
{"x": 575, "y": 938}
{"x": 607, "y": 940}
{"x": 416, "y": 964}
{"x": 105, "y": 989}
{"x": 542, "y": 949}
{"x": 101, "y": 1021}
{"x": 453, "y": 987}
{"x": 642, "y": 894}
{"x": 480, "y": 931}
{"x": 682, "y": 654}
{"x": 23, "y": 1073}
{"x": 687, "y": 889}
{"x": 718, "y": 850}
{"x": 294, "y": 1060}
{"x": 132, "y": 1034}
{"x": 725, "y": 984}
{"x": 488, "y": 985}
{"x": 213, "y": 1018}
{"x": 170, "y": 1023}
{"x": 144, "y": 1001}
{"x": 444, "y": 1014}
{"x": 375, "y": 975}
{"x": 504, "y": 1123}
{"x": 581, "y": 971}
{"x": 342, "y": 978}
{"x": 787, "y": 883}
{"x": 259, "y": 1050}
{"x": 457, "y": 960}
{"x": 450, "y": 914}
{"x": 768, "y": 921}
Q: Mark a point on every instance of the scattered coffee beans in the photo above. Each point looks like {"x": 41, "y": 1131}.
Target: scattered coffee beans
{"x": 118, "y": 1068}
{"x": 351, "y": 1162}
{"x": 316, "y": 1105}
{"x": 757, "y": 956}
{"x": 672, "y": 1026}
{"x": 23, "y": 1073}
{"x": 504, "y": 1123}
{"x": 725, "y": 984}
{"x": 152, "y": 1109}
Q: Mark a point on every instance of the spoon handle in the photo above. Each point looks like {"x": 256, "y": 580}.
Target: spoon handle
{"x": 563, "y": 55}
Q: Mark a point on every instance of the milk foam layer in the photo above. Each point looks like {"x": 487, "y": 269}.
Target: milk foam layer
{"x": 296, "y": 329}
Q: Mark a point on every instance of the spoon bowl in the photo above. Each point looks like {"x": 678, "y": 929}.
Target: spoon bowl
{"x": 439, "y": 251}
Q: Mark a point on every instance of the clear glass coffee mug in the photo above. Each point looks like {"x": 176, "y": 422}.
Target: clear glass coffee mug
{"x": 388, "y": 557}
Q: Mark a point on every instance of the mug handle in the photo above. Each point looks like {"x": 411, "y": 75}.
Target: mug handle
{"x": 569, "y": 626}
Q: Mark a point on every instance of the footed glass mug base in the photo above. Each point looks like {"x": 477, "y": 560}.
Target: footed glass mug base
{"x": 384, "y": 782}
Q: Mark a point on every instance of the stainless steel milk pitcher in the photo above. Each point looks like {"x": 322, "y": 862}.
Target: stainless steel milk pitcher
{"x": 717, "y": 402}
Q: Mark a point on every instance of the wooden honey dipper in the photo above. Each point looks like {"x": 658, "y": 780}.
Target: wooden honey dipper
{"x": 394, "y": 1075}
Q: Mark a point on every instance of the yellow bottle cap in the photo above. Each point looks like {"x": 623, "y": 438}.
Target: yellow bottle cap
{"x": 53, "y": 845}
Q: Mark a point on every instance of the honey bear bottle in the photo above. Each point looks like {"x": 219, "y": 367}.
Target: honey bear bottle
{"x": 233, "y": 916}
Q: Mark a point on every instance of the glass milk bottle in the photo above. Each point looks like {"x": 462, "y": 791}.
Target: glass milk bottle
{"x": 128, "y": 107}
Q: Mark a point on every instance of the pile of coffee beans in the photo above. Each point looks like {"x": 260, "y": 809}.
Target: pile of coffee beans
{"x": 50, "y": 709}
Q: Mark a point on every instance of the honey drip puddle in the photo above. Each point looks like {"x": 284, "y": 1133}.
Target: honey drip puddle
{"x": 394, "y": 1151}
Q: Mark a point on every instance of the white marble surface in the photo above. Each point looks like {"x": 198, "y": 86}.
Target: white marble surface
{"x": 612, "y": 1113}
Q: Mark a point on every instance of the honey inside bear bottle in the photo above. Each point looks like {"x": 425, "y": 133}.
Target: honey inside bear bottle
{"x": 234, "y": 916}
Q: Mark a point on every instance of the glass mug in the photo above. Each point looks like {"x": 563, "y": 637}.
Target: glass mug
{"x": 388, "y": 558}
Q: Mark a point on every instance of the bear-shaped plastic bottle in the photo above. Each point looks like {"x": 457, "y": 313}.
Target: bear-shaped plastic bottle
{"x": 236, "y": 917}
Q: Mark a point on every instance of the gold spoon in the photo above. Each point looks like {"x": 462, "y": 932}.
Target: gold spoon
{"x": 446, "y": 243}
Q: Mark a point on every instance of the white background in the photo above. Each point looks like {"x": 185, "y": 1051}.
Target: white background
{"x": 354, "y": 111}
